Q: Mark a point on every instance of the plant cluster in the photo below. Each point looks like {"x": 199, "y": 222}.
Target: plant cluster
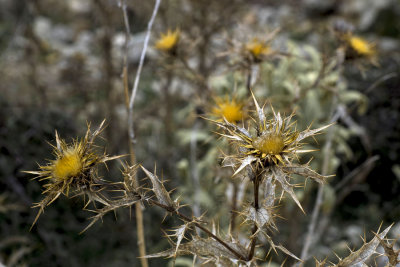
{"x": 242, "y": 126}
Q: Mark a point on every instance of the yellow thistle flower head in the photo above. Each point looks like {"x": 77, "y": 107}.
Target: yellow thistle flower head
{"x": 257, "y": 48}
{"x": 73, "y": 169}
{"x": 271, "y": 147}
{"x": 361, "y": 46}
{"x": 230, "y": 109}
{"x": 168, "y": 41}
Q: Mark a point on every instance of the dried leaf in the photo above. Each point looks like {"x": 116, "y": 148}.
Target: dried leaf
{"x": 246, "y": 161}
{"x": 159, "y": 189}
{"x": 307, "y": 133}
{"x": 260, "y": 111}
{"x": 390, "y": 252}
{"x": 208, "y": 248}
{"x": 260, "y": 217}
{"x": 305, "y": 171}
{"x": 358, "y": 258}
{"x": 281, "y": 177}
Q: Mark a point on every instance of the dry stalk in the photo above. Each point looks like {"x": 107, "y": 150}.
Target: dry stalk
{"x": 130, "y": 104}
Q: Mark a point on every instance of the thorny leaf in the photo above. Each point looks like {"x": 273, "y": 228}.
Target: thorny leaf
{"x": 358, "y": 258}
{"x": 180, "y": 234}
{"x": 305, "y": 171}
{"x": 230, "y": 126}
{"x": 308, "y": 132}
{"x": 281, "y": 177}
{"x": 269, "y": 191}
{"x": 246, "y": 161}
{"x": 260, "y": 217}
{"x": 390, "y": 252}
{"x": 207, "y": 248}
{"x": 260, "y": 111}
{"x": 280, "y": 247}
{"x": 127, "y": 201}
{"x": 159, "y": 189}
{"x": 130, "y": 180}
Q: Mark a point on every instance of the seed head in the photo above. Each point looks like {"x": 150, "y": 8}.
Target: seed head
{"x": 270, "y": 147}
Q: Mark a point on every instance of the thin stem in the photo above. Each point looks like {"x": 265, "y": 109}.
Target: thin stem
{"x": 249, "y": 78}
{"x": 234, "y": 206}
{"x": 139, "y": 70}
{"x": 256, "y": 184}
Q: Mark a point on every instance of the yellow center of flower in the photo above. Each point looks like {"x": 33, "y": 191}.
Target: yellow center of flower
{"x": 231, "y": 111}
{"x": 257, "y": 48}
{"x": 167, "y": 41}
{"x": 70, "y": 164}
{"x": 361, "y": 46}
{"x": 270, "y": 144}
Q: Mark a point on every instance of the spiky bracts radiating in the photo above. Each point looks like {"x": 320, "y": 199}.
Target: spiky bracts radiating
{"x": 73, "y": 169}
{"x": 271, "y": 146}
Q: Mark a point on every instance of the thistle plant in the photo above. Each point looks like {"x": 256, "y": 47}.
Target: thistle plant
{"x": 74, "y": 170}
{"x": 231, "y": 110}
{"x": 271, "y": 150}
{"x": 263, "y": 152}
{"x": 168, "y": 41}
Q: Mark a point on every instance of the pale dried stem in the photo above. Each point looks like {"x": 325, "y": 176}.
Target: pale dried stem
{"x": 253, "y": 241}
{"x": 139, "y": 70}
{"x": 130, "y": 104}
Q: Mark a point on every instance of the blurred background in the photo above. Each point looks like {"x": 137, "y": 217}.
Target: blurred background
{"x": 61, "y": 65}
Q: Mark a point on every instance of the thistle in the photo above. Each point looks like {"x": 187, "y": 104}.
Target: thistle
{"x": 272, "y": 150}
{"x": 73, "y": 169}
{"x": 168, "y": 41}
{"x": 361, "y": 46}
{"x": 257, "y": 49}
{"x": 228, "y": 109}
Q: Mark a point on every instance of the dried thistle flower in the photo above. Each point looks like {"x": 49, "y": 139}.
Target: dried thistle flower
{"x": 273, "y": 148}
{"x": 229, "y": 108}
{"x": 257, "y": 49}
{"x": 73, "y": 169}
{"x": 168, "y": 41}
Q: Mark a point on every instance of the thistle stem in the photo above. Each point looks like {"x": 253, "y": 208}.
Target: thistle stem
{"x": 256, "y": 184}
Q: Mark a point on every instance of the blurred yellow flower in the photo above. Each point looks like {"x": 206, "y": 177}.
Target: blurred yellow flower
{"x": 257, "y": 48}
{"x": 361, "y": 46}
{"x": 231, "y": 110}
{"x": 168, "y": 41}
